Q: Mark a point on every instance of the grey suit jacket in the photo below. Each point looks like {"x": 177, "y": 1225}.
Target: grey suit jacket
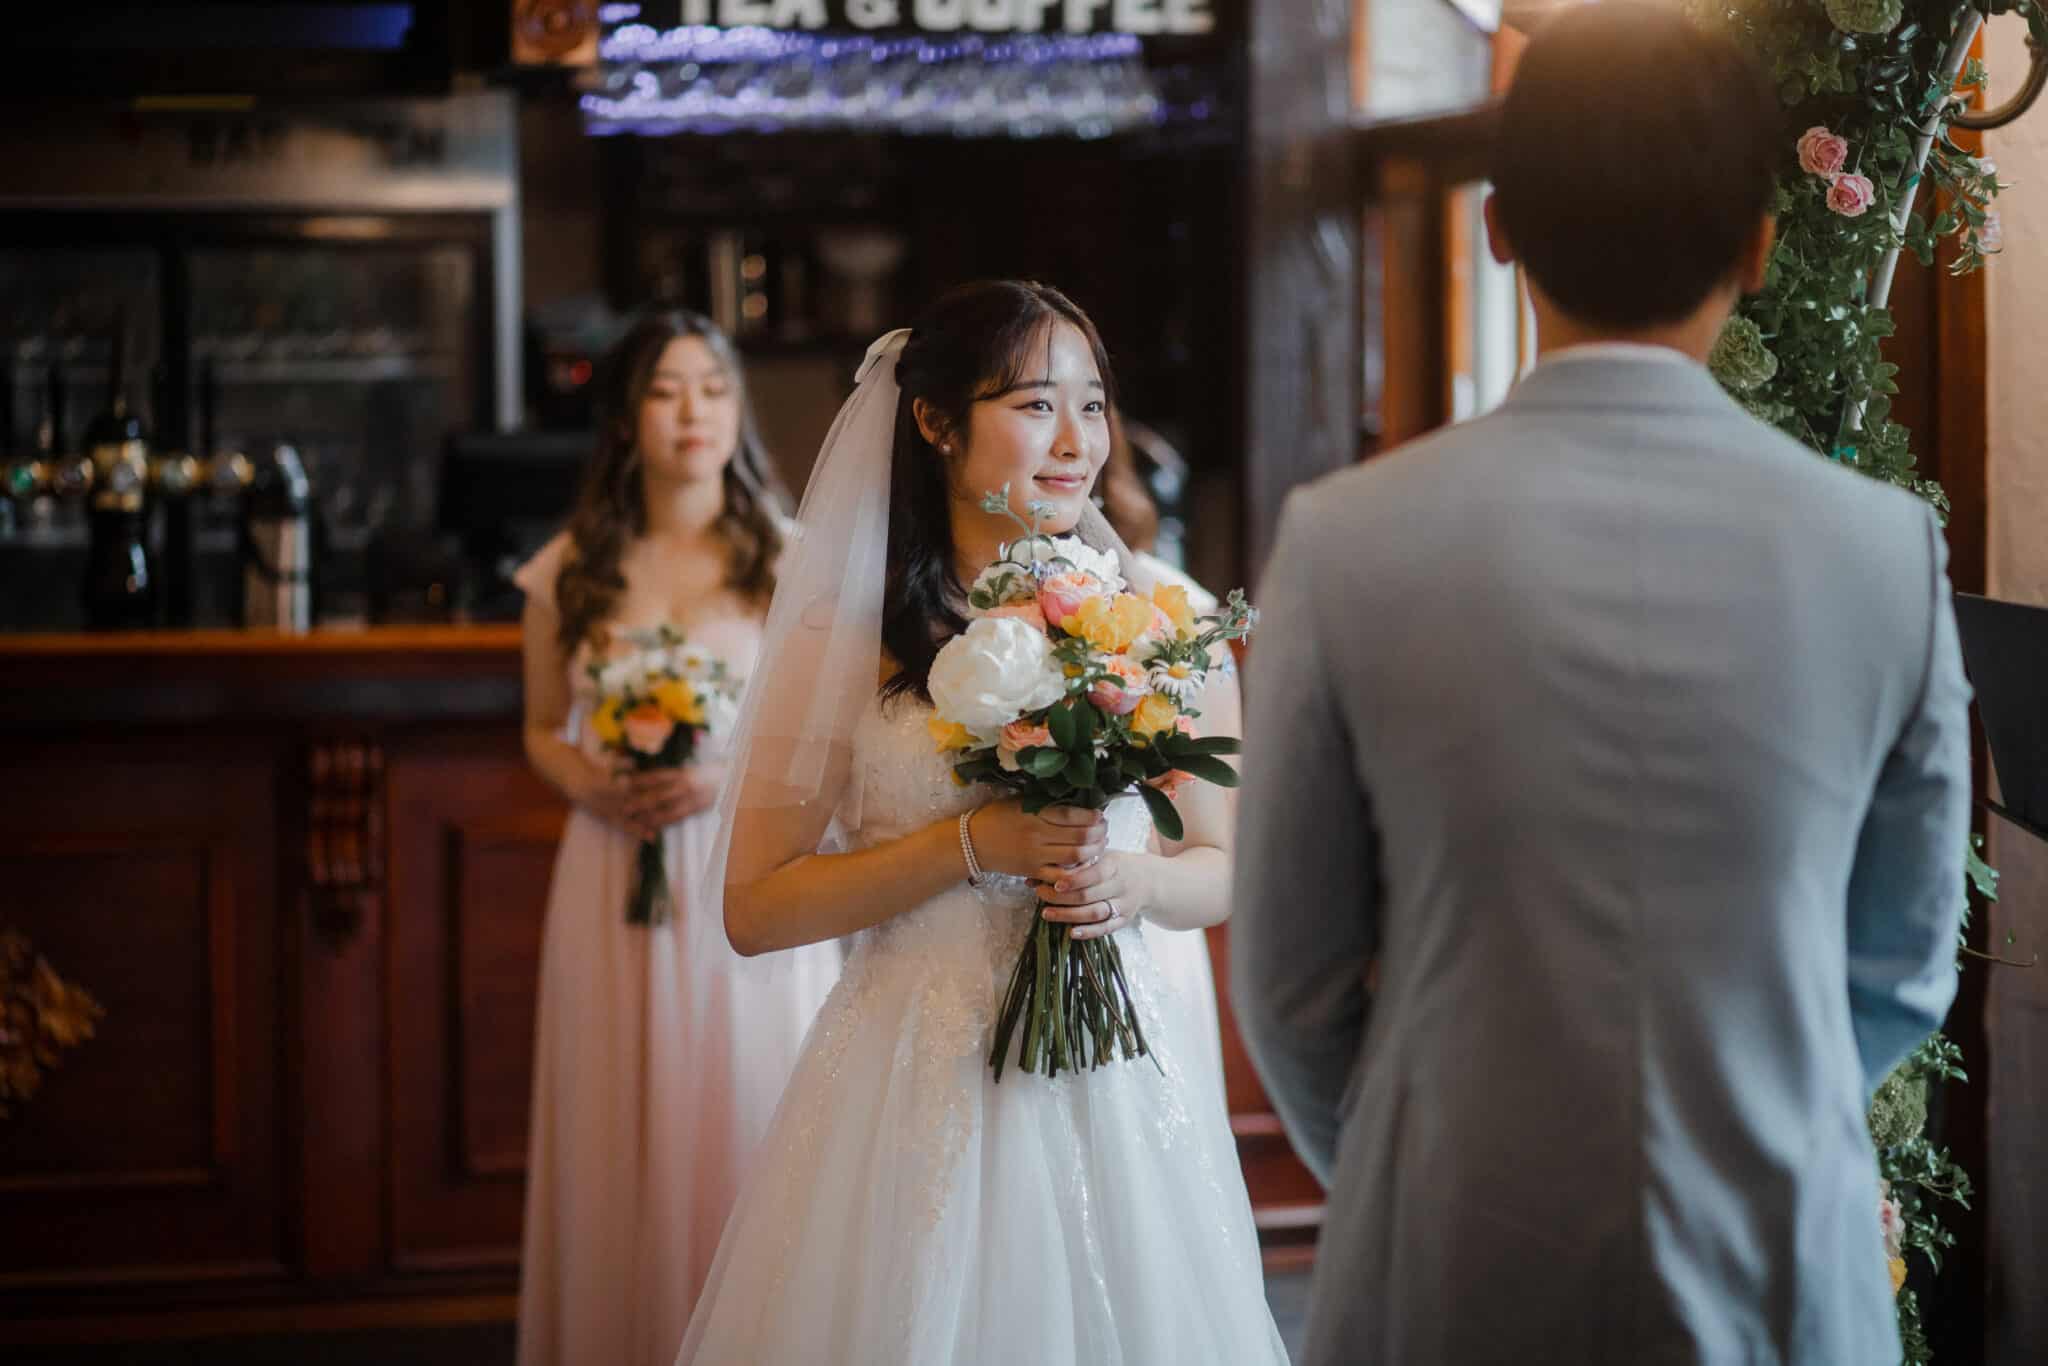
{"x": 1630, "y": 738}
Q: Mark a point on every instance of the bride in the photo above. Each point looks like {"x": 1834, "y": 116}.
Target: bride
{"x": 906, "y": 1207}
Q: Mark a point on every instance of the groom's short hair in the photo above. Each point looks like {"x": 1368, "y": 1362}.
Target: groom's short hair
{"x": 1634, "y": 156}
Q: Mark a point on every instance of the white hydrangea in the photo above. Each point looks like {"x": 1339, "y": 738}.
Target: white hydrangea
{"x": 1097, "y": 564}
{"x": 1021, "y": 588}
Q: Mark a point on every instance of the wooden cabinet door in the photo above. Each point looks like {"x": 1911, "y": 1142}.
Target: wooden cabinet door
{"x": 144, "y": 871}
{"x": 472, "y": 846}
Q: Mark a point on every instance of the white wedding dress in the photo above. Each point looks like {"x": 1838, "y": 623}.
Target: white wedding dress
{"x": 908, "y": 1210}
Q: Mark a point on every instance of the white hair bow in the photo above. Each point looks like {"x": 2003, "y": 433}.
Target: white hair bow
{"x": 887, "y": 346}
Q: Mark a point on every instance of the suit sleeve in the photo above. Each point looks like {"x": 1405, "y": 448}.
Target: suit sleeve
{"x": 1906, "y": 890}
{"x": 1305, "y": 922}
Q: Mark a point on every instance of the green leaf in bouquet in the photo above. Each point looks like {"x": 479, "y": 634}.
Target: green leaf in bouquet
{"x": 1063, "y": 724}
{"x": 1165, "y": 816}
{"x": 1088, "y": 722}
{"x": 1208, "y": 769}
{"x": 1081, "y": 768}
{"x": 1042, "y": 761}
{"x": 1176, "y": 745}
{"x": 1132, "y": 763}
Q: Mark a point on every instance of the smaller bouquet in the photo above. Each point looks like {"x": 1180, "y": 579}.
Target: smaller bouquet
{"x": 656, "y": 704}
{"x": 1068, "y": 690}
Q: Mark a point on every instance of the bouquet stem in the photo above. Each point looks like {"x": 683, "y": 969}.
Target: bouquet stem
{"x": 1068, "y": 1005}
{"x": 649, "y": 903}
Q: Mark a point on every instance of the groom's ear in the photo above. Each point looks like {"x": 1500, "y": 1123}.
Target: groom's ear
{"x": 1502, "y": 250}
{"x": 1756, "y": 256}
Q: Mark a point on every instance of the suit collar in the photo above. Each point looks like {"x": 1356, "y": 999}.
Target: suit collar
{"x": 1617, "y": 381}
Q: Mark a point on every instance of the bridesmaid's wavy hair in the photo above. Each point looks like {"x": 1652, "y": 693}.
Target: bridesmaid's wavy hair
{"x": 979, "y": 340}
{"x": 611, "y": 504}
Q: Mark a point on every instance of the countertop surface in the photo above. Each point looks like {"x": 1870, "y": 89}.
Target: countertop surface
{"x": 375, "y": 673}
{"x": 327, "y": 641}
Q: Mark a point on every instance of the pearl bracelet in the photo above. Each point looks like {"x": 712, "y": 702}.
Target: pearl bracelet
{"x": 974, "y": 873}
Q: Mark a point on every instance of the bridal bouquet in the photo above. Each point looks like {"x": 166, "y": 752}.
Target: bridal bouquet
{"x": 1068, "y": 690}
{"x": 655, "y": 704}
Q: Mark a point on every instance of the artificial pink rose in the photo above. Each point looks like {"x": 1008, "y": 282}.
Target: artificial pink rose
{"x": 1019, "y": 735}
{"x": 1022, "y": 735}
{"x": 1849, "y": 195}
{"x": 1029, "y": 612}
{"x": 1061, "y": 595}
{"x": 1822, "y": 152}
{"x": 1891, "y": 1221}
{"x": 1120, "y": 693}
{"x": 646, "y": 729}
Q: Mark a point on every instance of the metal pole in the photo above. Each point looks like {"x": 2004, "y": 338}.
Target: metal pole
{"x": 1880, "y": 291}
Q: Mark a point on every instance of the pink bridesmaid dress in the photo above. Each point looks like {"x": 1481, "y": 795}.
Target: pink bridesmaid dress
{"x": 656, "y": 1072}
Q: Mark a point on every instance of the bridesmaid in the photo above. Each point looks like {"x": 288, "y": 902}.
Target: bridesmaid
{"x": 655, "y": 1069}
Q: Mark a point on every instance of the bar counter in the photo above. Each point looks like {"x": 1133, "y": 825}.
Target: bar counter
{"x": 394, "y": 673}
{"x": 303, "y": 876}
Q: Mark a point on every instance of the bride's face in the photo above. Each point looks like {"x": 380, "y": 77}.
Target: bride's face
{"x": 1047, "y": 437}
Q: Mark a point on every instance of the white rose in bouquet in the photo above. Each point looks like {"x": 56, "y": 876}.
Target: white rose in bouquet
{"x": 995, "y": 671}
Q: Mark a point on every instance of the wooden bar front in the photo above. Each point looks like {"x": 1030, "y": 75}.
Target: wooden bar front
{"x": 305, "y": 878}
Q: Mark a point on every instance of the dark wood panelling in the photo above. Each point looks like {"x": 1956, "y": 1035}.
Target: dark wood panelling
{"x": 337, "y": 951}
{"x": 500, "y": 873}
{"x": 473, "y": 837}
{"x": 152, "y": 1154}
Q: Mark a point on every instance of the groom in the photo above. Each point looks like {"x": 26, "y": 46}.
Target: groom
{"x": 1621, "y": 742}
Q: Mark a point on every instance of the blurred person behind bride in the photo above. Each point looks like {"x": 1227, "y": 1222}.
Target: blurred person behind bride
{"x": 1128, "y": 504}
{"x": 656, "y": 1065}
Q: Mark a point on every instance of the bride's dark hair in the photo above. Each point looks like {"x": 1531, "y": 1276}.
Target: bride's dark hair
{"x": 979, "y": 340}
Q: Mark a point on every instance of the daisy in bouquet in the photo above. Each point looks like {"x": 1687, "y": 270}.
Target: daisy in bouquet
{"x": 1067, "y": 689}
{"x": 656, "y": 704}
